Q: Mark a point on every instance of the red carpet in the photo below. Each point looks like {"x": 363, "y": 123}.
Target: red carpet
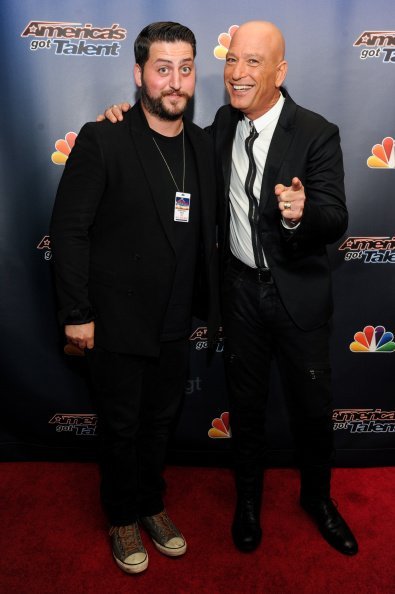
{"x": 53, "y": 536}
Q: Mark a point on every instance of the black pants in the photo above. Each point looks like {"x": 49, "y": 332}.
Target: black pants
{"x": 137, "y": 399}
{"x": 257, "y": 328}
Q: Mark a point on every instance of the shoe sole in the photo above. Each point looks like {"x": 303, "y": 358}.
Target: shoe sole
{"x": 127, "y": 568}
{"x": 170, "y": 552}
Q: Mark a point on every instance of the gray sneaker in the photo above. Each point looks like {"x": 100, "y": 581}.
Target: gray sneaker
{"x": 128, "y": 549}
{"x": 166, "y": 537}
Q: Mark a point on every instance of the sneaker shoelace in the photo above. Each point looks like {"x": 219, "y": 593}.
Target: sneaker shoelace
{"x": 129, "y": 538}
{"x": 165, "y": 526}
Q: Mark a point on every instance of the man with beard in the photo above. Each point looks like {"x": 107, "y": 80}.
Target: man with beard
{"x": 132, "y": 227}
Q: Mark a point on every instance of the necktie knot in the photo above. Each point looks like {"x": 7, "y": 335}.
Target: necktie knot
{"x": 253, "y": 133}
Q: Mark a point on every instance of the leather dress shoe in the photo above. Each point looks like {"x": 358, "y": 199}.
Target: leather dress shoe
{"x": 331, "y": 525}
{"x": 246, "y": 529}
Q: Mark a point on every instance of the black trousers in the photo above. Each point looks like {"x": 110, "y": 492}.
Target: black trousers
{"x": 257, "y": 328}
{"x": 137, "y": 399}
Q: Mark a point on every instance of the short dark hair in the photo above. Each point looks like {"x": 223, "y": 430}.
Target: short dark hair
{"x": 161, "y": 31}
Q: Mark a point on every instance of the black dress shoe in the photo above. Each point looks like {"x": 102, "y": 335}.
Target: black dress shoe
{"x": 246, "y": 529}
{"x": 331, "y": 525}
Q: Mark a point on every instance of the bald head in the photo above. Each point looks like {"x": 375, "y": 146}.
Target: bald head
{"x": 255, "y": 68}
{"x": 261, "y": 34}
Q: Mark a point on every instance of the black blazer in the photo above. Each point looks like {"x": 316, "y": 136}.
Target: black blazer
{"x": 307, "y": 146}
{"x": 112, "y": 241}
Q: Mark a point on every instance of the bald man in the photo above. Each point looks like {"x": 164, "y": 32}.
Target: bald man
{"x": 280, "y": 176}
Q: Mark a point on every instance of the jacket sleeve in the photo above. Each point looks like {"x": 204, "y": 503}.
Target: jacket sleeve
{"x": 325, "y": 216}
{"x": 77, "y": 201}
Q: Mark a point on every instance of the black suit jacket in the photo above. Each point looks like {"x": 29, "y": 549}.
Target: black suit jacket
{"x": 307, "y": 146}
{"x": 112, "y": 239}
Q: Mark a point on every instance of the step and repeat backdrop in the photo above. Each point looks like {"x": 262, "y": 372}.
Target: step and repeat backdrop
{"x": 62, "y": 63}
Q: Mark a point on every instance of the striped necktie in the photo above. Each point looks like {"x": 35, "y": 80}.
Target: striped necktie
{"x": 253, "y": 210}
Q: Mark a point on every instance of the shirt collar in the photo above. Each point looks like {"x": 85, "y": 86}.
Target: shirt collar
{"x": 268, "y": 117}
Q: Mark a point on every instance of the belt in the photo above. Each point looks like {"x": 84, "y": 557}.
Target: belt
{"x": 257, "y": 275}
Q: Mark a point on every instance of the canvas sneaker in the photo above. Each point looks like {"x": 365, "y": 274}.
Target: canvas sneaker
{"x": 166, "y": 537}
{"x": 128, "y": 549}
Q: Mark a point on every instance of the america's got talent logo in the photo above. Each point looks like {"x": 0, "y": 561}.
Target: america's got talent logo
{"x": 83, "y": 425}
{"x": 74, "y": 39}
{"x": 364, "y": 420}
{"x": 369, "y": 250}
{"x": 200, "y": 339}
{"x": 377, "y": 44}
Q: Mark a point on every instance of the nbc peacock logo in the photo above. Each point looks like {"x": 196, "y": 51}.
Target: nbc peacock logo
{"x": 383, "y": 155}
{"x": 63, "y": 148}
{"x": 373, "y": 340}
{"x": 221, "y": 49}
{"x": 220, "y": 428}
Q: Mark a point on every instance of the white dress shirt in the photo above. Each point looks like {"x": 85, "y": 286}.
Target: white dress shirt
{"x": 240, "y": 228}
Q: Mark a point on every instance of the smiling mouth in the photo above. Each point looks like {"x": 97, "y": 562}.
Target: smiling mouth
{"x": 241, "y": 87}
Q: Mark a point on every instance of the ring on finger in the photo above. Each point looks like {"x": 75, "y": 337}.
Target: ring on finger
{"x": 287, "y": 205}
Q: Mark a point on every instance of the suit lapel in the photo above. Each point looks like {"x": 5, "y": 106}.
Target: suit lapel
{"x": 200, "y": 155}
{"x": 204, "y": 160}
{"x": 227, "y": 144}
{"x": 279, "y": 146}
{"x": 151, "y": 161}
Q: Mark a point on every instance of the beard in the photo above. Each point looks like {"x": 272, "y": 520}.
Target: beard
{"x": 156, "y": 106}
